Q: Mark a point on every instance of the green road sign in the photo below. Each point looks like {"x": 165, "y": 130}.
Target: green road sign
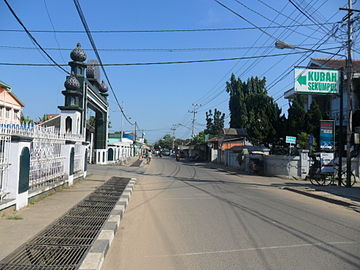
{"x": 317, "y": 81}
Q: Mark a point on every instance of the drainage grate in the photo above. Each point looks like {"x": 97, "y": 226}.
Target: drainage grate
{"x": 64, "y": 243}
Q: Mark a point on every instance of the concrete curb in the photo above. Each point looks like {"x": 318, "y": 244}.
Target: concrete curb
{"x": 326, "y": 197}
{"x": 97, "y": 253}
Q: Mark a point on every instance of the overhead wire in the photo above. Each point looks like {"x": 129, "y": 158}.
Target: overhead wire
{"x": 158, "y": 63}
{"x": 272, "y": 21}
{"x": 159, "y": 30}
{"x": 148, "y": 49}
{"x": 33, "y": 39}
{"x": 307, "y": 16}
{"x": 92, "y": 42}
{"x": 53, "y": 27}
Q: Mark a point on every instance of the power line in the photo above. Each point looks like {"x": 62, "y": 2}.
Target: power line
{"x": 158, "y": 63}
{"x": 306, "y": 15}
{"x": 272, "y": 21}
{"x": 150, "y": 49}
{"x": 53, "y": 27}
{"x": 242, "y": 17}
{"x": 163, "y": 30}
{"x": 83, "y": 20}
{"x": 33, "y": 39}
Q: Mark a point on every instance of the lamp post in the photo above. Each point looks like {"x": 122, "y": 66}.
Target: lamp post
{"x": 283, "y": 45}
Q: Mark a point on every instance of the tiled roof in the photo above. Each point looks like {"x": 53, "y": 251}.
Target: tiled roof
{"x": 334, "y": 63}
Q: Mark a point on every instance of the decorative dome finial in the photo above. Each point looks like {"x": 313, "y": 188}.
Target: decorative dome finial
{"x": 78, "y": 54}
{"x": 72, "y": 82}
{"x": 104, "y": 88}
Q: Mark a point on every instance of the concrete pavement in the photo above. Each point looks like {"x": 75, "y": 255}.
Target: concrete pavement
{"x": 188, "y": 216}
{"x": 349, "y": 197}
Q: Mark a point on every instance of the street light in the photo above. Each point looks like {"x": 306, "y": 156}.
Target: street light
{"x": 283, "y": 45}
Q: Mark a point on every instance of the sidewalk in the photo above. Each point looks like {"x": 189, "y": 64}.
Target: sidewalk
{"x": 349, "y": 197}
{"x": 16, "y": 228}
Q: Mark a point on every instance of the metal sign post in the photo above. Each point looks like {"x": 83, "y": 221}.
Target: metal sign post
{"x": 290, "y": 140}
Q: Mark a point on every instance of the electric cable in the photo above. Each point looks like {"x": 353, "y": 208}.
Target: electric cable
{"x": 161, "y": 30}
{"x": 242, "y": 17}
{"x": 33, "y": 38}
{"x": 157, "y": 63}
{"x": 86, "y": 27}
{"x": 53, "y": 27}
{"x": 272, "y": 21}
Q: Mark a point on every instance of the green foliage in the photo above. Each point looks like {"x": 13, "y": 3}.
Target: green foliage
{"x": 296, "y": 116}
{"x": 165, "y": 142}
{"x": 303, "y": 141}
{"x": 200, "y": 138}
{"x": 214, "y": 122}
{"x": 252, "y": 108}
{"x": 15, "y": 218}
{"x": 25, "y": 120}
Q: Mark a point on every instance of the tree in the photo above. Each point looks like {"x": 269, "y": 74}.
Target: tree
{"x": 296, "y": 116}
{"x": 25, "y": 120}
{"x": 251, "y": 108}
{"x": 237, "y": 107}
{"x": 214, "y": 122}
{"x": 313, "y": 117}
{"x": 200, "y": 138}
{"x": 165, "y": 142}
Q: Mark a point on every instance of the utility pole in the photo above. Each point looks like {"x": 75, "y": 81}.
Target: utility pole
{"x": 121, "y": 122}
{"x": 135, "y": 140}
{"x": 194, "y": 111}
{"x": 349, "y": 73}
{"x": 173, "y": 128}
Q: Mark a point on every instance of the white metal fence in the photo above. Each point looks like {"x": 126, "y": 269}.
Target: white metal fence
{"x": 46, "y": 162}
{"x": 4, "y": 164}
{"x": 78, "y": 157}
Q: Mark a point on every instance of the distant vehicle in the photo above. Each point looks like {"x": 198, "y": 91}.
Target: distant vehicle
{"x": 165, "y": 152}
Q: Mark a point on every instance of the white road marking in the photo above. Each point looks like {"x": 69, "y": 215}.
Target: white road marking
{"x": 251, "y": 249}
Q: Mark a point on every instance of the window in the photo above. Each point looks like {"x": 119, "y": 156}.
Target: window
{"x": 7, "y": 113}
{"x": 16, "y": 115}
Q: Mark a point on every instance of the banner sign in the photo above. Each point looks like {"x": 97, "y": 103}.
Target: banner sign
{"x": 327, "y": 134}
{"x": 327, "y": 162}
{"x": 317, "y": 81}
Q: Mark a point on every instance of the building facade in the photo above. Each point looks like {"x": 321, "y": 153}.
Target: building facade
{"x": 10, "y": 106}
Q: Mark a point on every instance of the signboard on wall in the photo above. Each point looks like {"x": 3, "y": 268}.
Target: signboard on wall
{"x": 327, "y": 162}
{"x": 317, "y": 81}
{"x": 327, "y": 134}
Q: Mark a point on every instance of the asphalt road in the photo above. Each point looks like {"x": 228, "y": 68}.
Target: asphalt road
{"x": 186, "y": 216}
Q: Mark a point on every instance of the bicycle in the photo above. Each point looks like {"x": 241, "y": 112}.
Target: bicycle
{"x": 319, "y": 178}
{"x": 343, "y": 178}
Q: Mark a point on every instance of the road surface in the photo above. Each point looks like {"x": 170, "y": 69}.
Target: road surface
{"x": 186, "y": 216}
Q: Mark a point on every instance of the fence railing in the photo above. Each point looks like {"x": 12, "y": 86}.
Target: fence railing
{"x": 46, "y": 162}
{"x": 78, "y": 158}
{"x": 35, "y": 131}
{"x": 4, "y": 164}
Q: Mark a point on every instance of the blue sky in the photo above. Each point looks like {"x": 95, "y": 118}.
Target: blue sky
{"x": 159, "y": 96}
